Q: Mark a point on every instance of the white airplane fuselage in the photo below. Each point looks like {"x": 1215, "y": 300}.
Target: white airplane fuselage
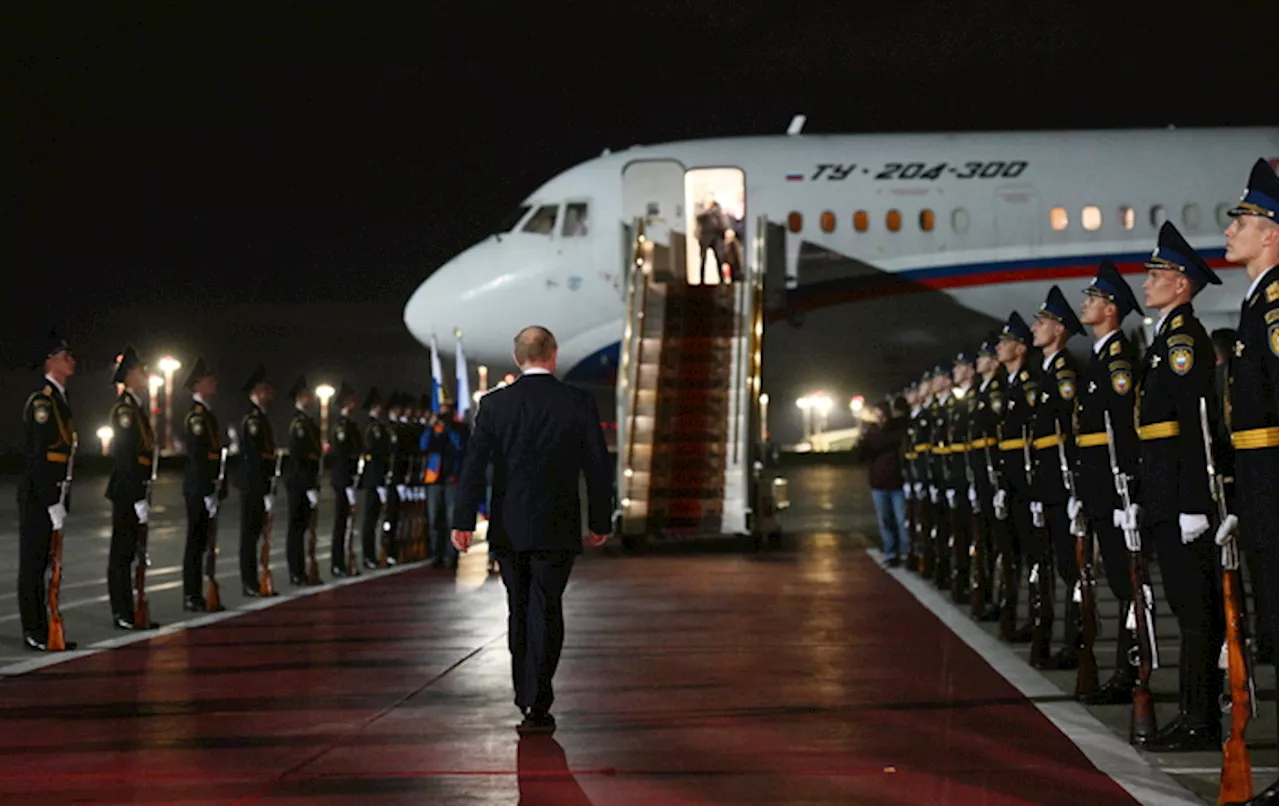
{"x": 992, "y": 220}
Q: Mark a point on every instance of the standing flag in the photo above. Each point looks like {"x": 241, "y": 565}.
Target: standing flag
{"x": 437, "y": 376}
{"x": 464, "y": 381}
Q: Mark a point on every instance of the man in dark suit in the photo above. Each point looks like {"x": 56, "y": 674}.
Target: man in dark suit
{"x": 541, "y": 436}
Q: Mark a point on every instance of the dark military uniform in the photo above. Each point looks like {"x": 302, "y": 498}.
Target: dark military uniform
{"x": 984, "y": 453}
{"x": 49, "y": 433}
{"x": 203, "y": 437}
{"x": 132, "y": 446}
{"x": 939, "y": 448}
{"x": 378, "y": 441}
{"x": 956, "y": 458}
{"x": 1175, "y": 377}
{"x": 346, "y": 452}
{"x": 1107, "y": 388}
{"x": 920, "y": 432}
{"x": 257, "y": 470}
{"x": 303, "y": 475}
{"x": 1022, "y": 390}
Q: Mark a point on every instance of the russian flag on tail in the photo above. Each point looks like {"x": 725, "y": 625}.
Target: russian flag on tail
{"x": 437, "y": 376}
{"x": 464, "y": 380}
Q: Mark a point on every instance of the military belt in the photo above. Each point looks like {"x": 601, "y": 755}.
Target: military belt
{"x": 214, "y": 455}
{"x": 53, "y": 456}
{"x": 985, "y": 442}
{"x": 1094, "y": 440}
{"x": 145, "y": 461}
{"x": 959, "y": 447}
{"x": 921, "y": 448}
{"x": 941, "y": 450}
{"x": 911, "y": 455}
{"x": 1011, "y": 444}
{"x": 1164, "y": 430}
{"x": 1256, "y": 439}
{"x": 1040, "y": 443}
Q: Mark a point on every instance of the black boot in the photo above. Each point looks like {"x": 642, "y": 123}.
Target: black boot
{"x": 1068, "y": 657}
{"x": 1119, "y": 689}
{"x": 1199, "y": 725}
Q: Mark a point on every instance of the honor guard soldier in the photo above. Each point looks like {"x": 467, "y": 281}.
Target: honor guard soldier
{"x": 49, "y": 434}
{"x": 920, "y": 433}
{"x": 911, "y": 393}
{"x": 939, "y": 447}
{"x": 1175, "y": 376}
{"x": 1253, "y": 240}
{"x": 346, "y": 451}
{"x": 1012, "y": 502}
{"x": 377, "y": 468}
{"x": 200, "y": 490}
{"x": 397, "y": 492}
{"x": 957, "y": 471}
{"x": 1052, "y": 427}
{"x": 302, "y": 484}
{"x": 984, "y": 465}
{"x": 133, "y": 453}
{"x": 257, "y": 470}
{"x": 1107, "y": 388}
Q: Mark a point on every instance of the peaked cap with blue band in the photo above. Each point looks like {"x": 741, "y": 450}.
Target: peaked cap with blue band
{"x": 1016, "y": 329}
{"x": 1260, "y": 195}
{"x": 1057, "y": 308}
{"x": 1173, "y": 253}
{"x": 1110, "y": 285}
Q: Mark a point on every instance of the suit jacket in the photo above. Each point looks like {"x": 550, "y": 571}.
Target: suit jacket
{"x": 540, "y": 435}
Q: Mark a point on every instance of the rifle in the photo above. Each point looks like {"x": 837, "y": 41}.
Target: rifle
{"x": 1145, "y": 655}
{"x": 1236, "y": 783}
{"x": 977, "y": 553}
{"x": 353, "y": 568}
{"x": 1004, "y": 564}
{"x": 383, "y": 513}
{"x": 1041, "y": 589}
{"x": 1087, "y": 673}
{"x": 56, "y": 640}
{"x": 141, "y": 607}
{"x": 213, "y": 601}
{"x": 313, "y": 568}
{"x": 266, "y": 588}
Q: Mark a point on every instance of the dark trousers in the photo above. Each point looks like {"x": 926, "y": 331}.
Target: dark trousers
{"x": 34, "y": 530}
{"x": 341, "y": 513}
{"x": 124, "y": 549}
{"x": 198, "y": 526}
{"x": 1115, "y": 563}
{"x": 372, "y": 527}
{"x": 1064, "y": 543}
{"x": 535, "y": 583}
{"x": 1259, "y": 526}
{"x": 294, "y": 547}
{"x": 252, "y": 517}
{"x": 391, "y": 524}
{"x": 439, "y": 516}
{"x": 1019, "y": 524}
{"x": 1190, "y": 577}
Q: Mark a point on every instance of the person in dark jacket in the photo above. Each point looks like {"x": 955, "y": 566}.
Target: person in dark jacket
{"x": 882, "y": 446}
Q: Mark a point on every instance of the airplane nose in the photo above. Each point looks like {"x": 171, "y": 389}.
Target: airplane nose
{"x": 444, "y": 300}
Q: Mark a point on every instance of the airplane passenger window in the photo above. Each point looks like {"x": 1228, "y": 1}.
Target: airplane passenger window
{"x": 795, "y": 222}
{"x": 543, "y": 222}
{"x": 926, "y": 220}
{"x": 828, "y": 221}
{"x": 575, "y": 220}
{"x": 1157, "y": 215}
{"x": 861, "y": 221}
{"x": 1127, "y": 217}
{"x": 512, "y": 219}
{"x": 1091, "y": 218}
{"x": 893, "y": 220}
{"x": 1191, "y": 215}
{"x": 1220, "y": 213}
{"x": 1059, "y": 219}
{"x": 960, "y": 220}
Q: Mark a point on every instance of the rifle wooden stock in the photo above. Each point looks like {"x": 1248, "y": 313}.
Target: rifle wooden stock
{"x": 1236, "y": 783}
{"x": 266, "y": 587}
{"x": 213, "y": 597}
{"x": 313, "y": 568}
{"x": 1087, "y": 672}
{"x": 977, "y": 564}
{"x": 1006, "y": 563}
{"x": 1142, "y": 720}
{"x": 141, "y": 607}
{"x": 57, "y": 638}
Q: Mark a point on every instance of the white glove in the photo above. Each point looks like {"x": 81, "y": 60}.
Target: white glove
{"x": 1037, "y": 514}
{"x": 266, "y": 503}
{"x": 1192, "y": 526}
{"x": 933, "y": 494}
{"x": 998, "y": 503}
{"x": 1127, "y": 520}
{"x": 313, "y": 498}
{"x": 57, "y": 514}
{"x": 211, "y": 505}
{"x": 419, "y": 493}
{"x": 1228, "y": 530}
{"x": 951, "y": 498}
{"x": 141, "y": 509}
{"x": 919, "y": 488}
{"x": 973, "y": 495}
{"x": 382, "y": 495}
{"x": 402, "y": 491}
{"x": 906, "y": 491}
{"x": 1073, "y": 507}
{"x": 1075, "y": 512}
{"x": 351, "y": 496}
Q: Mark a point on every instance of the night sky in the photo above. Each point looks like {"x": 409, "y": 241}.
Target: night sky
{"x": 215, "y": 182}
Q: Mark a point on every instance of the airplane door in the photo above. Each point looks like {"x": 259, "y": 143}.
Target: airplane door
{"x": 653, "y": 190}
{"x": 1017, "y": 216}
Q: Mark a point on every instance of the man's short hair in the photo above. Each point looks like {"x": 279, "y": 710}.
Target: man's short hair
{"x": 534, "y": 345}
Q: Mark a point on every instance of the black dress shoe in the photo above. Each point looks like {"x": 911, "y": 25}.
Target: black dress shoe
{"x": 194, "y": 604}
{"x": 337, "y": 572}
{"x": 1022, "y": 635}
{"x": 33, "y": 643}
{"x": 123, "y": 623}
{"x": 1267, "y": 797}
{"x": 536, "y": 722}
{"x": 1188, "y": 738}
{"x": 1118, "y": 690}
{"x": 990, "y": 612}
{"x": 252, "y": 593}
{"x": 297, "y": 581}
{"x": 1064, "y": 659}
{"x": 371, "y": 565}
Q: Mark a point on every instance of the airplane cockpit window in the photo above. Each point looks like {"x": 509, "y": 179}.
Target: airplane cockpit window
{"x": 543, "y": 222}
{"x": 575, "y": 220}
{"x": 512, "y": 219}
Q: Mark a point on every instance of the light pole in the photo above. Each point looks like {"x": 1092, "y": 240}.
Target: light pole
{"x": 805, "y": 404}
{"x": 483, "y": 385}
{"x": 169, "y": 365}
{"x": 324, "y": 391}
{"x": 105, "y": 433}
{"x": 154, "y": 382}
{"x": 764, "y": 417}
{"x": 822, "y": 404}
{"x": 855, "y": 406}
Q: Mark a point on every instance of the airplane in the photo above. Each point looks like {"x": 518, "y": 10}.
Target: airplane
{"x": 902, "y": 243}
